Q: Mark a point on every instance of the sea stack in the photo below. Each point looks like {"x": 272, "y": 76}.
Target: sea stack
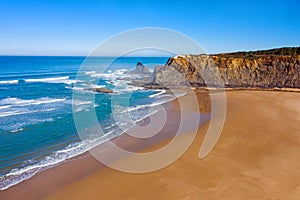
{"x": 140, "y": 69}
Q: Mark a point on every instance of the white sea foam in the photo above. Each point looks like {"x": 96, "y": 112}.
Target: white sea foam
{"x": 78, "y": 102}
{"x": 80, "y": 105}
{"x": 70, "y": 147}
{"x": 63, "y": 79}
{"x": 13, "y": 113}
{"x": 145, "y": 116}
{"x": 157, "y": 94}
{"x": 76, "y": 88}
{"x": 117, "y": 79}
{"x": 120, "y": 71}
{"x": 10, "y": 82}
{"x": 18, "y": 175}
{"x": 16, "y": 106}
{"x": 5, "y": 107}
{"x": 95, "y": 86}
{"x": 90, "y": 72}
{"x": 16, "y": 130}
{"x": 96, "y": 75}
{"x": 110, "y": 75}
{"x": 146, "y": 105}
{"x": 18, "y": 125}
{"x": 85, "y": 88}
{"x": 125, "y": 88}
{"x": 8, "y": 102}
{"x": 119, "y": 110}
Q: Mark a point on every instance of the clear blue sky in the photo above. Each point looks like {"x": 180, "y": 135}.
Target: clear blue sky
{"x": 51, "y": 27}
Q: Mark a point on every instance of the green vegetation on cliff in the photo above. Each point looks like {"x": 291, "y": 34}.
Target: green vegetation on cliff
{"x": 284, "y": 51}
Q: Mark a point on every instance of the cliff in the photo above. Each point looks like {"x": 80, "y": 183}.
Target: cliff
{"x": 242, "y": 69}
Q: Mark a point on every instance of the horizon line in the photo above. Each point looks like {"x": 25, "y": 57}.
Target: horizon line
{"x": 108, "y": 56}
{"x": 86, "y": 55}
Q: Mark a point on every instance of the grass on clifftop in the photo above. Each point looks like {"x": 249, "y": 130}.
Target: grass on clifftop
{"x": 285, "y": 51}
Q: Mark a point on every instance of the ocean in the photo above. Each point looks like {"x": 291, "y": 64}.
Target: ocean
{"x": 37, "y": 128}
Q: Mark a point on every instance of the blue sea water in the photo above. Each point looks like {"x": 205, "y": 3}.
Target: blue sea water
{"x": 37, "y": 128}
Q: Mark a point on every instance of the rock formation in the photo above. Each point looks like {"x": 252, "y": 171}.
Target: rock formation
{"x": 242, "y": 69}
{"x": 102, "y": 90}
{"x": 140, "y": 69}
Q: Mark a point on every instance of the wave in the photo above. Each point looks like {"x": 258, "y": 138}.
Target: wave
{"x": 13, "y": 113}
{"x": 121, "y": 110}
{"x": 19, "y": 126}
{"x": 16, "y": 125}
{"x": 130, "y": 109}
{"x": 18, "y": 76}
{"x": 140, "y": 112}
{"x": 10, "y": 82}
{"x": 5, "y": 107}
{"x": 110, "y": 75}
{"x": 16, "y": 130}
{"x": 120, "y": 71}
{"x": 94, "y": 86}
{"x": 118, "y": 79}
{"x": 18, "y": 175}
{"x": 76, "y": 88}
{"x": 9, "y": 102}
{"x": 15, "y": 106}
{"x": 158, "y": 94}
{"x": 85, "y": 88}
{"x": 62, "y": 79}
{"x": 90, "y": 72}
{"x": 78, "y": 102}
{"x": 145, "y": 116}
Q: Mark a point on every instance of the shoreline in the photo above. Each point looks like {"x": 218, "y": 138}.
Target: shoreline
{"x": 256, "y": 157}
{"x": 83, "y": 154}
{"x": 85, "y": 164}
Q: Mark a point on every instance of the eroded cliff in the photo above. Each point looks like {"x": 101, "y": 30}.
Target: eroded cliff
{"x": 233, "y": 70}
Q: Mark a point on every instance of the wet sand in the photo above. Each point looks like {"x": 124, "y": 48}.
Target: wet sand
{"x": 256, "y": 157}
{"x": 45, "y": 182}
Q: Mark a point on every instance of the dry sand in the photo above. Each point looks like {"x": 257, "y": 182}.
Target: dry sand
{"x": 256, "y": 157}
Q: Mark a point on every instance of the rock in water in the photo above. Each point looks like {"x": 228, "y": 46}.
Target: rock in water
{"x": 103, "y": 90}
{"x": 140, "y": 69}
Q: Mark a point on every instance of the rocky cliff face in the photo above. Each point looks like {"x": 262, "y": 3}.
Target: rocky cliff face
{"x": 234, "y": 71}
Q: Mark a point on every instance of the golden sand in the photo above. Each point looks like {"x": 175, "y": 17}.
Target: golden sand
{"x": 257, "y": 157}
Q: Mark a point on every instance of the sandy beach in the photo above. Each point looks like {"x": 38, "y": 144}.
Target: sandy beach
{"x": 256, "y": 157}
{"x": 149, "y": 100}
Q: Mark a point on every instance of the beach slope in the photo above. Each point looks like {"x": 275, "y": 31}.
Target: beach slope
{"x": 256, "y": 157}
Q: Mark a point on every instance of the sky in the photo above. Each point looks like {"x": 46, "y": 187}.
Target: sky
{"x": 73, "y": 27}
